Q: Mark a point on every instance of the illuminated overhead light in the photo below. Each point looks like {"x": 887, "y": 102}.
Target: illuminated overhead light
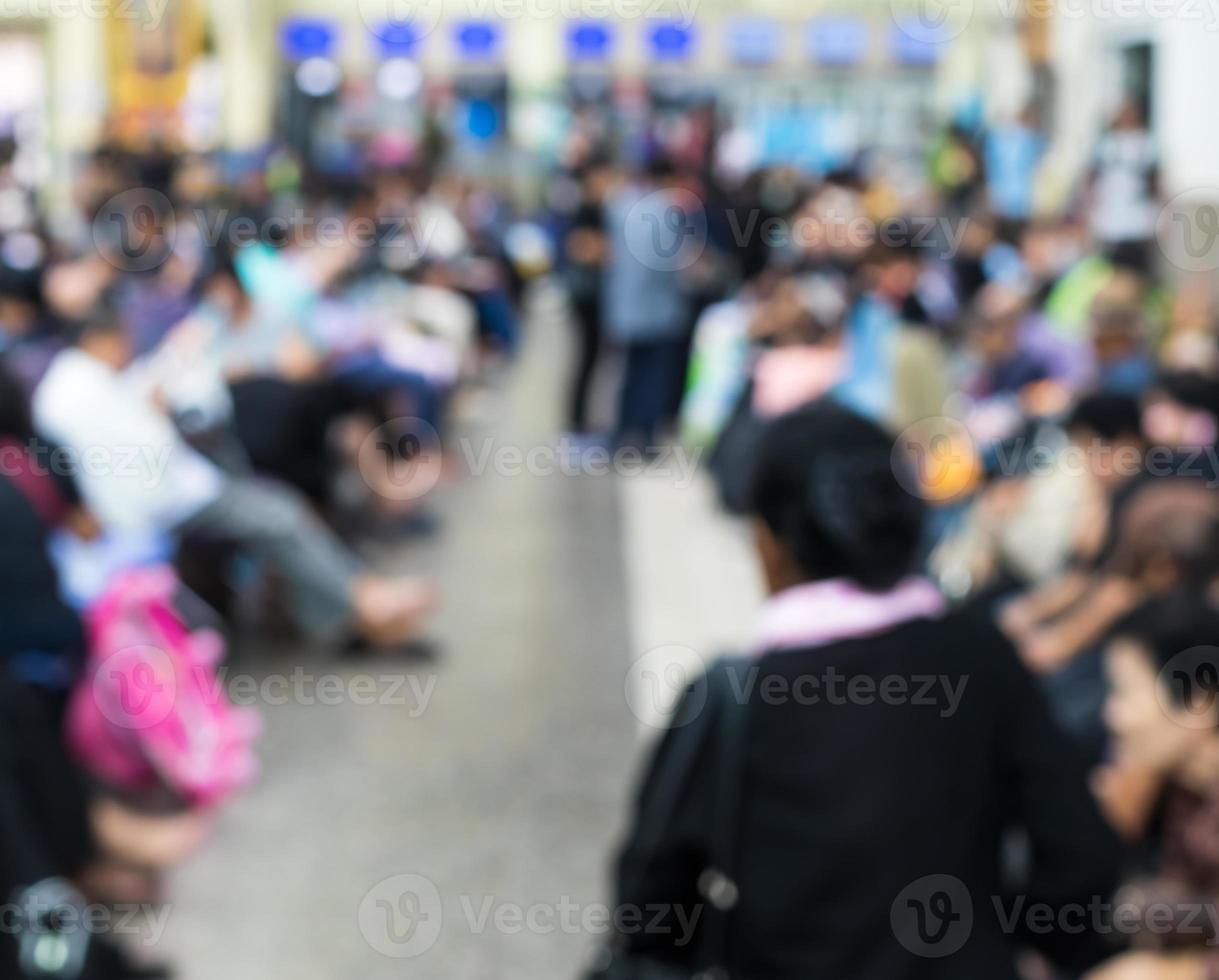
{"x": 399, "y": 79}
{"x": 318, "y": 77}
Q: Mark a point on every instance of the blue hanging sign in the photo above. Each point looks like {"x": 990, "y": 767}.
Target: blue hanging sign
{"x": 302, "y": 38}
{"x": 671, "y": 41}
{"x": 590, "y": 41}
{"x": 397, "y": 39}
{"x": 478, "y": 40}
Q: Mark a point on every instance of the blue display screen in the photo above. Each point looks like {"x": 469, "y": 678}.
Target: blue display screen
{"x": 754, "y": 41}
{"x": 838, "y": 41}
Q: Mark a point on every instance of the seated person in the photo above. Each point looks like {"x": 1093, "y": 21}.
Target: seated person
{"x": 247, "y": 387}
{"x": 152, "y": 481}
{"x": 252, "y": 385}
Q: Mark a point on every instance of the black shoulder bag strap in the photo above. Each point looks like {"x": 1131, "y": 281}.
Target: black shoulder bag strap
{"x": 718, "y": 883}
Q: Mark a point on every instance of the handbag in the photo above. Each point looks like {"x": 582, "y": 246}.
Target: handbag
{"x": 728, "y": 712}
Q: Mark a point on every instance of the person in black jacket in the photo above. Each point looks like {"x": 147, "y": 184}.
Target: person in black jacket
{"x": 36, "y": 495}
{"x": 906, "y": 806}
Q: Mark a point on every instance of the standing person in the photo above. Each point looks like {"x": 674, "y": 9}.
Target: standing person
{"x": 1014, "y": 150}
{"x": 956, "y": 168}
{"x": 1125, "y": 189}
{"x": 585, "y": 250}
{"x": 891, "y": 276}
{"x": 831, "y": 782}
{"x": 652, "y": 237}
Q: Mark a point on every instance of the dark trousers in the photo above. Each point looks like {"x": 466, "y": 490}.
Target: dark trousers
{"x": 644, "y": 403}
{"x": 587, "y": 322}
{"x": 283, "y": 427}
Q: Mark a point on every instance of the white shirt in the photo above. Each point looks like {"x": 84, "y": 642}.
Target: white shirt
{"x": 133, "y": 469}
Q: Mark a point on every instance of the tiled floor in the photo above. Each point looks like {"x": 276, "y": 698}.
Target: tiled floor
{"x": 460, "y": 827}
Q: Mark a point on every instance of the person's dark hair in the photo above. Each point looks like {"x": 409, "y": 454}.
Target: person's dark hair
{"x": 1180, "y": 628}
{"x": 825, "y": 484}
{"x": 1107, "y": 415}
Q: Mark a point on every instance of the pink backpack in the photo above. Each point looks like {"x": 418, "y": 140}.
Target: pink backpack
{"x": 150, "y": 712}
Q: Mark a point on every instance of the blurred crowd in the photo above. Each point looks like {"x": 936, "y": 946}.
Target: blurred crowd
{"x": 217, "y": 380}
{"x": 218, "y": 377}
